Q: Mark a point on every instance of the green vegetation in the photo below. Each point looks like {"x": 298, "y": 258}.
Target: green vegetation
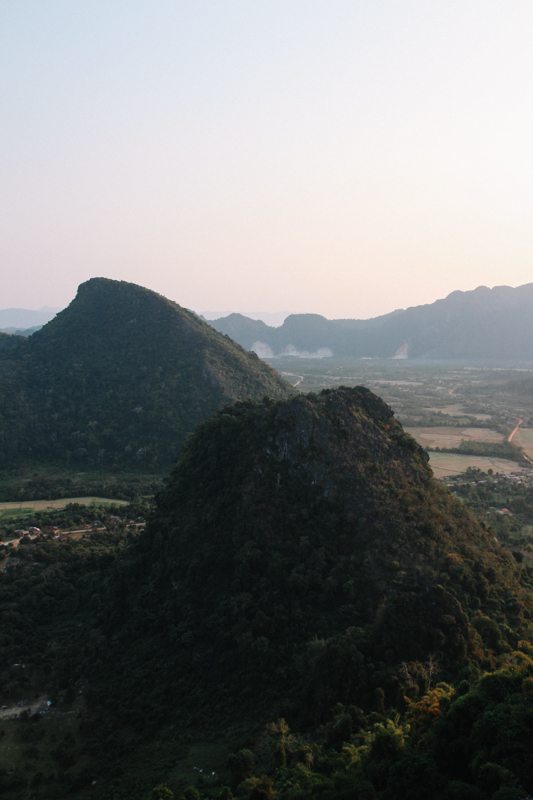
{"x": 491, "y": 449}
{"x": 50, "y": 598}
{"x": 117, "y": 381}
{"x": 445, "y": 743}
{"x": 49, "y": 593}
{"x": 504, "y": 504}
{"x": 308, "y": 614}
{"x": 67, "y": 515}
{"x": 32, "y": 482}
{"x": 299, "y": 520}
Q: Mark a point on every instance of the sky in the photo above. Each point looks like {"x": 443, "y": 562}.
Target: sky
{"x": 332, "y": 156}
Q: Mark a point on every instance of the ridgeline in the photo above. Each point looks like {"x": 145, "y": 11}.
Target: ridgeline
{"x": 118, "y": 380}
{"x": 491, "y": 324}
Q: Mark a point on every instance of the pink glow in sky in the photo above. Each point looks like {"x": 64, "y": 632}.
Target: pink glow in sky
{"x": 342, "y": 157}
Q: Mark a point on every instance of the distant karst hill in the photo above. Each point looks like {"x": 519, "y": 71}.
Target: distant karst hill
{"x": 481, "y": 324}
{"x": 119, "y": 379}
{"x": 304, "y": 548}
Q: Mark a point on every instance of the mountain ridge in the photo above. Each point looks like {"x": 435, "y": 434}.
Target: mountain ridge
{"x": 481, "y": 323}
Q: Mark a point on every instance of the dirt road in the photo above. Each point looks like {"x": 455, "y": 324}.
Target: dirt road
{"x": 519, "y": 421}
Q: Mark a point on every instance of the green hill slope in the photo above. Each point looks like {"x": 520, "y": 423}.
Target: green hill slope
{"x": 304, "y": 548}
{"x": 119, "y": 379}
{"x": 302, "y": 570}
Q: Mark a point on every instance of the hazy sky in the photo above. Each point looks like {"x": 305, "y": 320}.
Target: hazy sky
{"x": 337, "y": 156}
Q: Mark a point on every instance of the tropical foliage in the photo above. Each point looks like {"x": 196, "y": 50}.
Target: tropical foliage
{"x": 308, "y": 614}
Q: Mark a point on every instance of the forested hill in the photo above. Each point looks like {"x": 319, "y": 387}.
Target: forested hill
{"x": 326, "y": 554}
{"x": 304, "y": 589}
{"x": 480, "y": 324}
{"x": 119, "y": 379}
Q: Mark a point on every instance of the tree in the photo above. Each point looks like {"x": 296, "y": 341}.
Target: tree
{"x": 162, "y": 792}
{"x": 279, "y": 730}
{"x": 241, "y": 765}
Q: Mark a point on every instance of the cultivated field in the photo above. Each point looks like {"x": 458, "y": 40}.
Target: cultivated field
{"x": 449, "y": 436}
{"x": 524, "y": 439}
{"x": 439, "y": 403}
{"x": 44, "y": 505}
{"x": 444, "y": 464}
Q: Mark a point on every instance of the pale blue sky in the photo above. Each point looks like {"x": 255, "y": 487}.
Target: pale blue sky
{"x": 342, "y": 157}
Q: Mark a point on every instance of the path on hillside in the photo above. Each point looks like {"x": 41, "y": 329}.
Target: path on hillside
{"x": 519, "y": 422}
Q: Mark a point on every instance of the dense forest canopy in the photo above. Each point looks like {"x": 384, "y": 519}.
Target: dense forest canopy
{"x": 119, "y": 379}
{"x": 305, "y": 595}
{"x": 300, "y": 554}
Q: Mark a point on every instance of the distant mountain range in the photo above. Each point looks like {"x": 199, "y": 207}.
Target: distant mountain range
{"x": 22, "y": 318}
{"x": 273, "y": 318}
{"x": 480, "y": 324}
{"x": 21, "y": 331}
{"x": 119, "y": 379}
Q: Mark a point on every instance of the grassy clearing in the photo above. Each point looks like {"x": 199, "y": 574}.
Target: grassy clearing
{"x": 25, "y": 507}
{"x": 444, "y": 464}
{"x": 445, "y": 436}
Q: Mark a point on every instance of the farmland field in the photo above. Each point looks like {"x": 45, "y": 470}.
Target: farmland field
{"x": 444, "y": 464}
{"x": 439, "y": 404}
{"x": 457, "y": 410}
{"x": 43, "y": 505}
{"x": 449, "y": 436}
{"x": 524, "y": 439}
